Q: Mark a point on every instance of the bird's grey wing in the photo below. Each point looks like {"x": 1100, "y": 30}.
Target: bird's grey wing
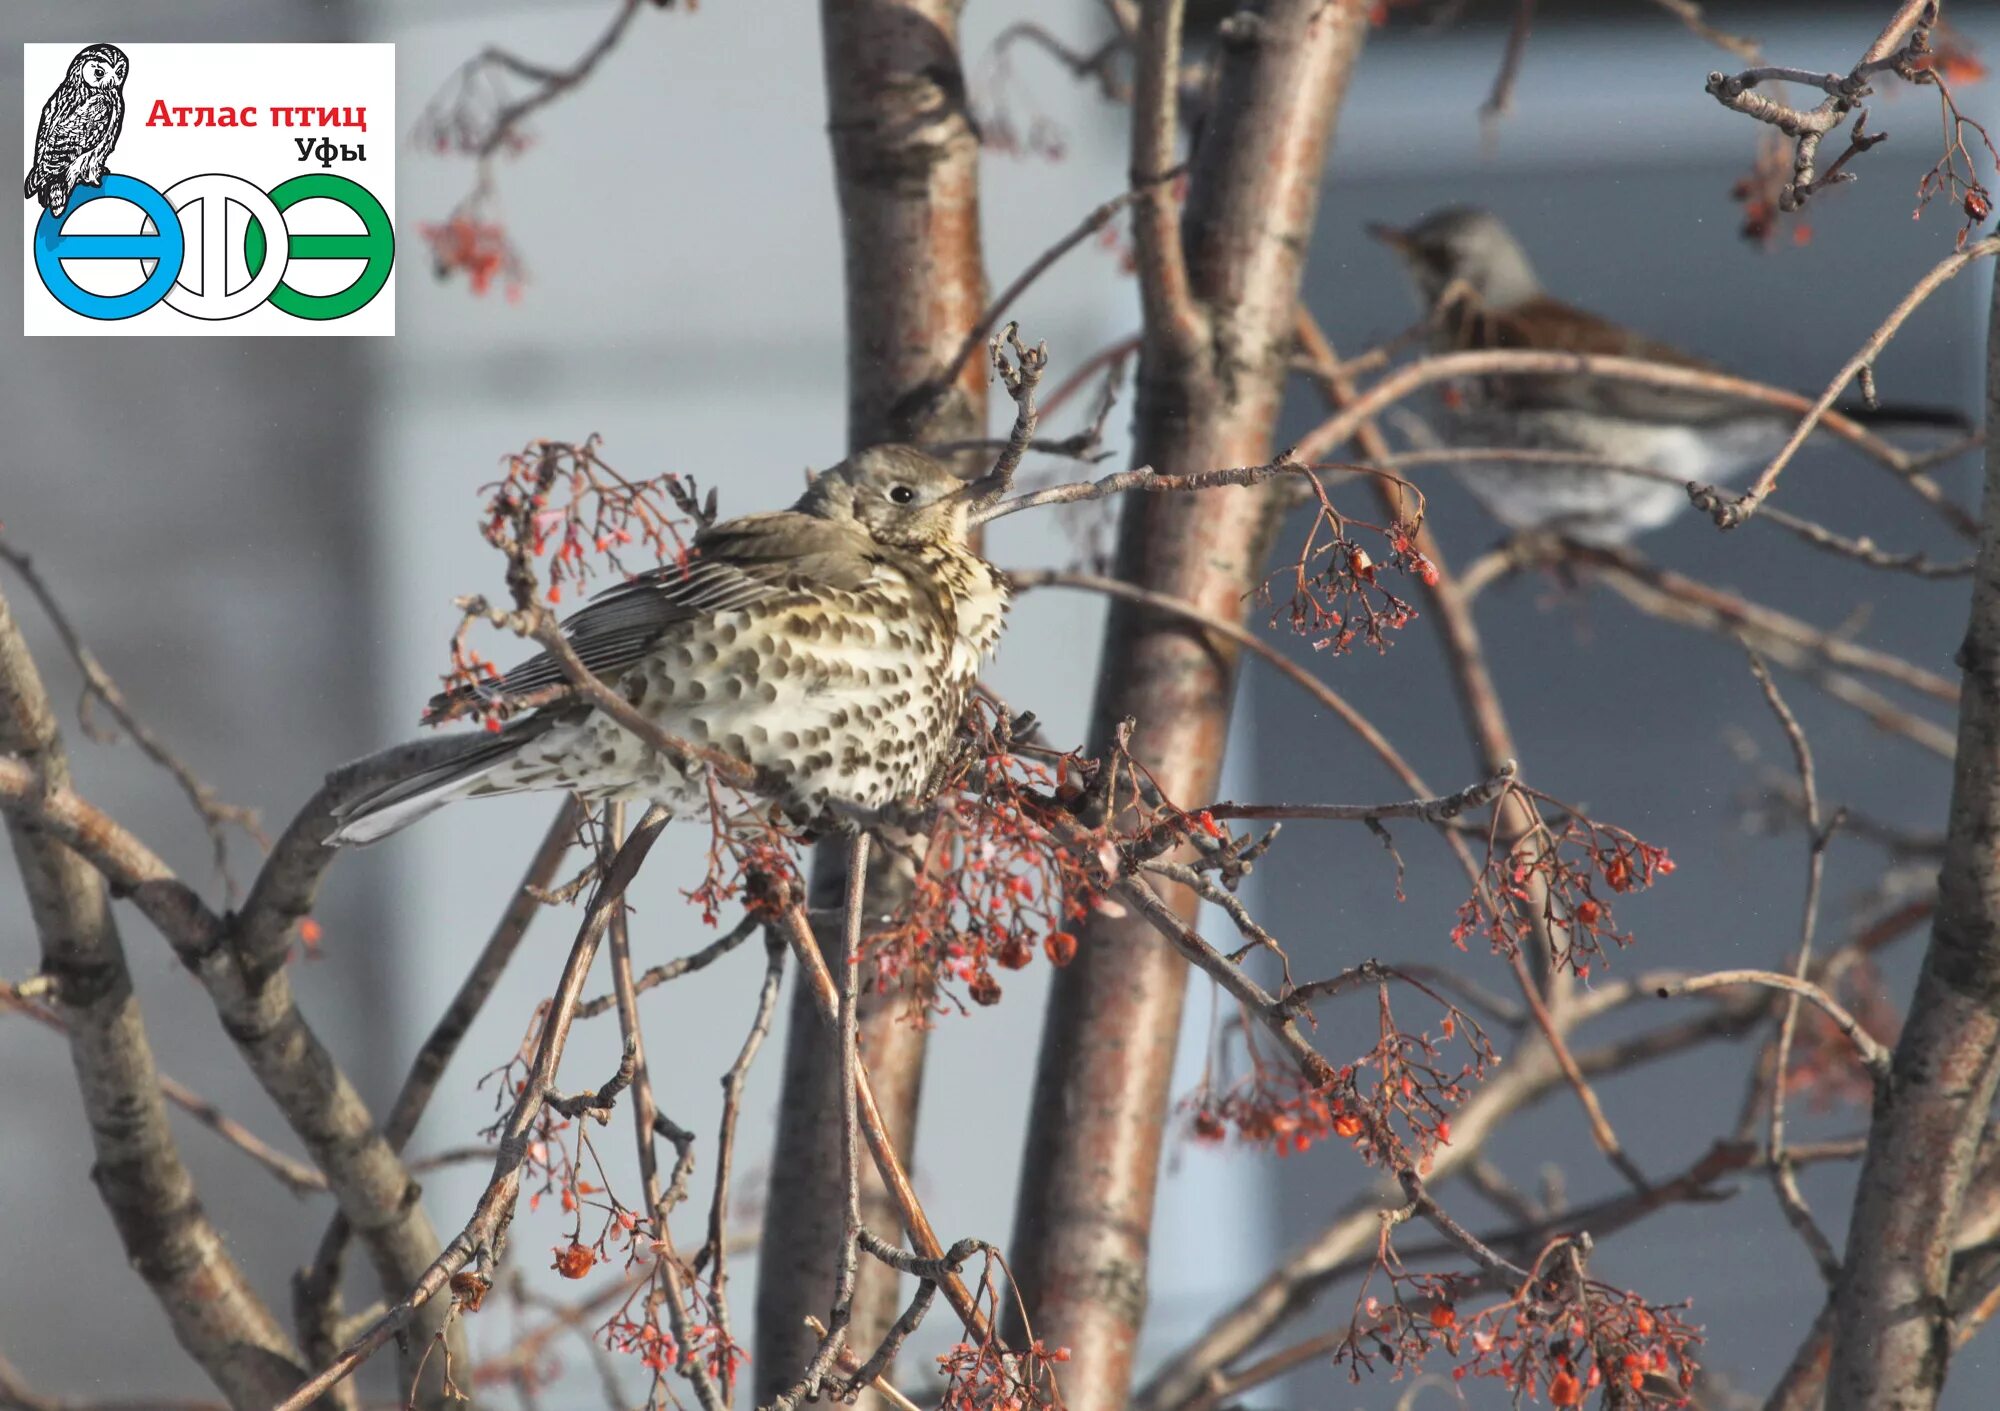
{"x": 739, "y": 563}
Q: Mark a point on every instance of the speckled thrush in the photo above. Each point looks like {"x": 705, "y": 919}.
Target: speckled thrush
{"x": 833, "y": 646}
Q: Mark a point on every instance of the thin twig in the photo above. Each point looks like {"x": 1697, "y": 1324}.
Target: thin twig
{"x": 851, "y": 1365}
{"x": 1728, "y": 511}
{"x": 926, "y": 395}
{"x": 647, "y": 1120}
{"x": 216, "y": 816}
{"x": 1862, "y": 549}
{"x": 716, "y": 1250}
{"x": 1020, "y": 375}
{"x": 1501, "y": 97}
{"x": 486, "y": 1227}
{"x": 673, "y": 969}
{"x": 1818, "y": 834}
{"x": 297, "y": 1177}
{"x": 847, "y": 1269}
{"x": 1435, "y": 810}
{"x": 1873, "y": 1055}
{"x": 826, "y": 996}
{"x": 1330, "y": 434}
{"x": 316, "y": 1288}
{"x": 1023, "y": 580}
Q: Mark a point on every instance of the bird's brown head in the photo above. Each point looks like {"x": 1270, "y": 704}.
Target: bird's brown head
{"x": 897, "y": 493}
{"x": 1466, "y": 246}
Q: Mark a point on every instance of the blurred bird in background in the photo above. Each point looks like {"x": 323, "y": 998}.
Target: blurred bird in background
{"x": 1480, "y": 292}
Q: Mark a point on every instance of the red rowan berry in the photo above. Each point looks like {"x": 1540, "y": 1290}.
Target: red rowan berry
{"x": 574, "y": 1262}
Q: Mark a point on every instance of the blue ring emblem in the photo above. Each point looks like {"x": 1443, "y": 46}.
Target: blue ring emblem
{"x": 168, "y": 246}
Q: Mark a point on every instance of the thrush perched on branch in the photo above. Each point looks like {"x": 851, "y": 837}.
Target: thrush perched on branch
{"x": 1481, "y": 293}
{"x": 831, "y": 646}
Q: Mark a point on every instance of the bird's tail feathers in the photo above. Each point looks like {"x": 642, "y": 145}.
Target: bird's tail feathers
{"x": 397, "y": 803}
{"x": 1909, "y": 414}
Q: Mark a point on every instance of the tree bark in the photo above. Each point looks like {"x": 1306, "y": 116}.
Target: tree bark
{"x": 1219, "y": 295}
{"x": 138, "y": 1173}
{"x": 1893, "y": 1336}
{"x": 906, "y": 164}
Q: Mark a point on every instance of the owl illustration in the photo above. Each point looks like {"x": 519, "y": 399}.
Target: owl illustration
{"x": 79, "y": 128}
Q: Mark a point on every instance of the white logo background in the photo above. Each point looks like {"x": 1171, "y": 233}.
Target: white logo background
{"x": 216, "y": 76}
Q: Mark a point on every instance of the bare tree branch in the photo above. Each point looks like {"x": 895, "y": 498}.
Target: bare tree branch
{"x": 262, "y": 1018}
{"x": 1729, "y": 511}
{"x": 483, "y": 1233}
{"x": 298, "y": 1178}
{"x": 216, "y": 816}
{"x": 216, "y": 1314}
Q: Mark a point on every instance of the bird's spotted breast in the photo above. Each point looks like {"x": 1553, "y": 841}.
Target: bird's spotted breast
{"x": 851, "y": 698}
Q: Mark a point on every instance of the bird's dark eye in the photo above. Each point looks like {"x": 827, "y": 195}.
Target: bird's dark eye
{"x": 902, "y": 494}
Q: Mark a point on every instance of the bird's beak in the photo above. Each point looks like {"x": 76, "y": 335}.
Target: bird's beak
{"x": 1389, "y": 235}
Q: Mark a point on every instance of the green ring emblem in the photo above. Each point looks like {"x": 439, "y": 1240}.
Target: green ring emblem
{"x": 377, "y": 245}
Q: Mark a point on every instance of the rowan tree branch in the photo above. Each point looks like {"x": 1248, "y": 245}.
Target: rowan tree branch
{"x": 258, "y": 1012}
{"x": 484, "y": 1232}
{"x": 217, "y": 817}
{"x": 316, "y": 1287}
{"x": 826, "y": 997}
{"x": 1729, "y": 511}
{"x": 215, "y": 1313}
{"x": 296, "y": 1176}
{"x": 1819, "y": 833}
{"x": 1867, "y": 1048}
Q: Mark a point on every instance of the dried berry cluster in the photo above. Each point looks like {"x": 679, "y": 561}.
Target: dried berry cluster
{"x": 1942, "y": 58}
{"x": 479, "y": 249}
{"x": 557, "y": 509}
{"x": 1337, "y": 593}
{"x": 635, "y": 1330}
{"x": 1549, "y": 879}
{"x": 605, "y": 1233}
{"x": 984, "y": 1375}
{"x": 1392, "y": 1104}
{"x": 993, "y": 881}
{"x": 1561, "y": 1334}
{"x": 753, "y": 854}
{"x": 468, "y": 117}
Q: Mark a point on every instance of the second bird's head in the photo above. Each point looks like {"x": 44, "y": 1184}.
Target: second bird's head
{"x": 897, "y": 493}
{"x": 1466, "y": 246}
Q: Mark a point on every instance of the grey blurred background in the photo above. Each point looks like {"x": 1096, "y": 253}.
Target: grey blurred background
{"x": 262, "y": 540}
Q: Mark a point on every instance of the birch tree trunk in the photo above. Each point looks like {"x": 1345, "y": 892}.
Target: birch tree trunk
{"x": 906, "y": 160}
{"x": 1220, "y": 291}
